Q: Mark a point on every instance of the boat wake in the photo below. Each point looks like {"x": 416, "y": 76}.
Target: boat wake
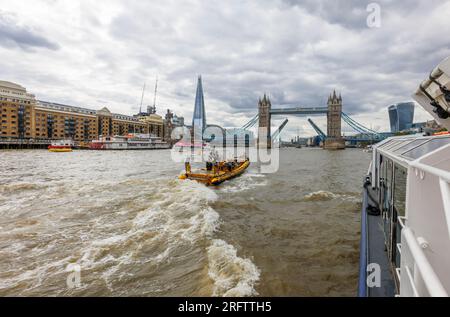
{"x": 154, "y": 237}
{"x": 232, "y": 275}
{"x": 246, "y": 181}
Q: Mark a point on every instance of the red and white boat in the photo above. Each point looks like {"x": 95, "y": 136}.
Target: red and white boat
{"x": 129, "y": 142}
{"x": 61, "y": 146}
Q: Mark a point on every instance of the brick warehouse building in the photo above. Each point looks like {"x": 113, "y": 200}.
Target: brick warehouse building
{"x": 24, "y": 117}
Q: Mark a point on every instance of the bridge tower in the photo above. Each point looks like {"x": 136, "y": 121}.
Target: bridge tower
{"x": 334, "y": 140}
{"x": 264, "y": 107}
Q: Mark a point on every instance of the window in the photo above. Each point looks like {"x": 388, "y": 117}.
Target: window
{"x": 385, "y": 144}
{"x": 387, "y": 196}
{"x": 400, "y": 145}
{"x": 427, "y": 147}
{"x": 393, "y": 144}
{"x": 399, "y": 210}
{"x": 411, "y": 145}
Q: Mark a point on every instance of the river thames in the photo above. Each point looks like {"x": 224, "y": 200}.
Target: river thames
{"x": 130, "y": 228}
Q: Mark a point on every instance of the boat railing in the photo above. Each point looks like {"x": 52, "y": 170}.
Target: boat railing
{"x": 418, "y": 277}
{"x": 416, "y": 269}
{"x": 444, "y": 184}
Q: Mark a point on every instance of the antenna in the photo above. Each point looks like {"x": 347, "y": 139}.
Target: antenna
{"x": 156, "y": 90}
{"x": 142, "y": 99}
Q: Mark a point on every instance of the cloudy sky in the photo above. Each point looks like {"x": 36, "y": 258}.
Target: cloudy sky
{"x": 96, "y": 54}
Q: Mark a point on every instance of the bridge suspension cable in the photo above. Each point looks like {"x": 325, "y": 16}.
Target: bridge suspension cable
{"x": 358, "y": 126}
{"x": 251, "y": 123}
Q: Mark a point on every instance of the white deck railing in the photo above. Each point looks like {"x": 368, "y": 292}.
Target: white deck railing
{"x": 444, "y": 184}
{"x": 420, "y": 265}
{"x": 416, "y": 267}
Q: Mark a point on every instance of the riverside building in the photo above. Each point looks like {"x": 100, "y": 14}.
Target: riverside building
{"x": 25, "y": 118}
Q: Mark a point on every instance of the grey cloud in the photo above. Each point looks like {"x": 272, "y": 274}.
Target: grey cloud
{"x": 295, "y": 51}
{"x": 13, "y": 34}
{"x": 353, "y": 13}
{"x": 332, "y": 44}
{"x": 348, "y": 13}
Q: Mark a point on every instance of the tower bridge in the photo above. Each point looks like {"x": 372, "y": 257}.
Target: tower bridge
{"x": 333, "y": 111}
{"x": 332, "y": 139}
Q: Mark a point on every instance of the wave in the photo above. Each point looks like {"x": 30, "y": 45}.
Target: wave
{"x": 319, "y": 196}
{"x": 179, "y": 214}
{"x": 244, "y": 182}
{"x": 180, "y": 217}
{"x": 148, "y": 229}
{"x": 322, "y": 195}
{"x": 233, "y": 276}
{"x": 20, "y": 187}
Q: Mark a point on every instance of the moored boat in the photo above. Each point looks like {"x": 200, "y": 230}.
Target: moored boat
{"x": 216, "y": 173}
{"x": 61, "y": 146}
{"x": 129, "y": 142}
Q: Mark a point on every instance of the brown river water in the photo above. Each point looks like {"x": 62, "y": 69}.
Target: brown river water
{"x": 124, "y": 224}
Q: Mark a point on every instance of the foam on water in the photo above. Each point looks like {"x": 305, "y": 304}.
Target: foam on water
{"x": 232, "y": 275}
{"x": 19, "y": 187}
{"x": 323, "y": 195}
{"x": 181, "y": 214}
{"x": 145, "y": 223}
{"x": 246, "y": 181}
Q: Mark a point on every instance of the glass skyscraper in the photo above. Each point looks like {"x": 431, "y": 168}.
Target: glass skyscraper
{"x": 401, "y": 116}
{"x": 199, "y": 118}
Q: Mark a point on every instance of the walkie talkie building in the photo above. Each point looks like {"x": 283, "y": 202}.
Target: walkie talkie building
{"x": 401, "y": 116}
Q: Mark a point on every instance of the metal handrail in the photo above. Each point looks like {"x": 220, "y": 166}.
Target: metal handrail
{"x": 444, "y": 184}
{"x": 445, "y": 191}
{"x": 432, "y": 170}
{"x": 401, "y": 221}
{"x": 411, "y": 281}
{"x": 431, "y": 280}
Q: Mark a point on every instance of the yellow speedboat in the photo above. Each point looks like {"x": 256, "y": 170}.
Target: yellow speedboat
{"x": 53, "y": 149}
{"x": 216, "y": 173}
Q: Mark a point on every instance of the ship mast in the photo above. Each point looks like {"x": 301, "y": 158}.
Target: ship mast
{"x": 154, "y": 97}
{"x": 142, "y": 99}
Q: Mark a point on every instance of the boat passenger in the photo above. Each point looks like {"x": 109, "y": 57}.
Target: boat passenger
{"x": 187, "y": 166}
{"x": 213, "y": 155}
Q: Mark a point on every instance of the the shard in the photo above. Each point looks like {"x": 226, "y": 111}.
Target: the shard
{"x": 199, "y": 119}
